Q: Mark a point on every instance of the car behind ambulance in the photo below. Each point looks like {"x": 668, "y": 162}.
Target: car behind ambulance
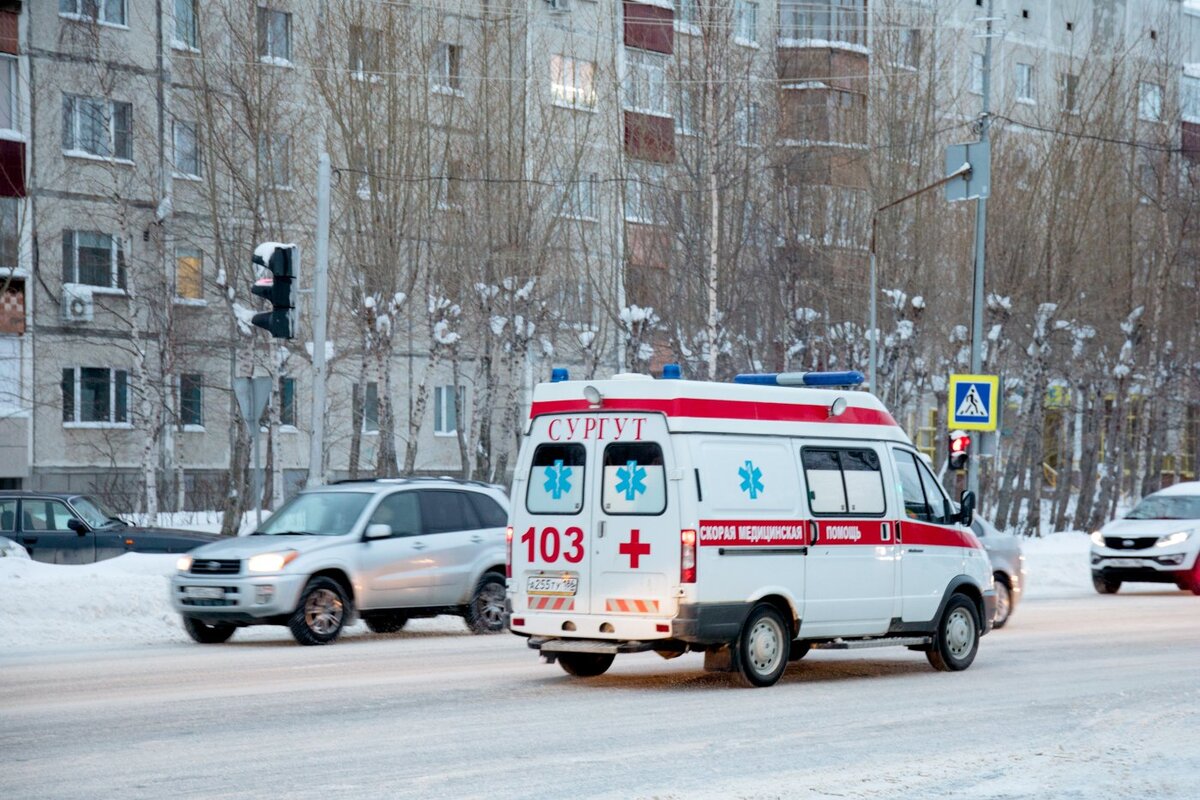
{"x": 749, "y": 521}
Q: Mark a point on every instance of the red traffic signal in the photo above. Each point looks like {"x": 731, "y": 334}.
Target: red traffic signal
{"x": 280, "y": 260}
{"x": 960, "y": 449}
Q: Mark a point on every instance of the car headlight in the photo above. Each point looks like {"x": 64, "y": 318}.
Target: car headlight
{"x": 1172, "y": 538}
{"x": 183, "y": 563}
{"x": 270, "y": 562}
{"x": 1098, "y": 538}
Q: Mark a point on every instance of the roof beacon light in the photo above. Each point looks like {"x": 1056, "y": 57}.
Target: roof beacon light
{"x": 672, "y": 372}
{"x": 559, "y": 374}
{"x": 847, "y": 378}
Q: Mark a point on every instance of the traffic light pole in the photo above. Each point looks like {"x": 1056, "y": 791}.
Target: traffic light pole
{"x": 981, "y": 240}
{"x": 316, "y": 445}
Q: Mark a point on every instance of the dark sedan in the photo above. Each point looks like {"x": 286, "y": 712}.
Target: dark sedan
{"x": 78, "y": 529}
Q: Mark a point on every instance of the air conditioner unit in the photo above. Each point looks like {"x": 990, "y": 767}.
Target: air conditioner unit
{"x": 78, "y": 305}
{"x": 559, "y": 5}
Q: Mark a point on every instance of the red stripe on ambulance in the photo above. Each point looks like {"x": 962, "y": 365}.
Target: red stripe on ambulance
{"x": 753, "y": 533}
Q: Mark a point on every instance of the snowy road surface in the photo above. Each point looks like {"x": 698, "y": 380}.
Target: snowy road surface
{"x": 1082, "y": 696}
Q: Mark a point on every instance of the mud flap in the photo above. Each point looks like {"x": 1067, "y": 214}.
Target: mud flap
{"x": 719, "y": 660}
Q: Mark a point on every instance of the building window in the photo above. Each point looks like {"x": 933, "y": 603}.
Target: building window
{"x": 187, "y": 149}
{"x": 191, "y": 401}
{"x": 646, "y": 83}
{"x": 97, "y": 127}
{"x": 577, "y": 198}
{"x": 189, "y": 273}
{"x": 688, "y": 114}
{"x": 1189, "y": 98}
{"x": 746, "y": 123}
{"x": 1024, "y": 79}
{"x": 95, "y": 395}
{"x": 10, "y": 118}
{"x": 908, "y": 50}
{"x": 370, "y": 407}
{"x": 365, "y": 50}
{"x": 287, "y": 402}
{"x": 276, "y": 158}
{"x": 641, "y": 195}
{"x": 823, "y": 20}
{"x": 1149, "y": 102}
{"x": 111, "y": 12}
{"x": 445, "y": 412}
{"x": 1070, "y": 93}
{"x": 685, "y": 12}
{"x": 94, "y": 259}
{"x": 445, "y": 71}
{"x": 746, "y": 21}
{"x": 187, "y": 32}
{"x": 10, "y": 238}
{"x": 274, "y": 36}
{"x": 450, "y": 180}
{"x": 572, "y": 81}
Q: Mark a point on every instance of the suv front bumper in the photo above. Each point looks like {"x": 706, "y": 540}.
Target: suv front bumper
{"x": 246, "y": 600}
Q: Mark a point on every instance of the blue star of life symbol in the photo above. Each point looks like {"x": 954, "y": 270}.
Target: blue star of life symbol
{"x": 631, "y": 479}
{"x": 558, "y": 479}
{"x": 751, "y": 479}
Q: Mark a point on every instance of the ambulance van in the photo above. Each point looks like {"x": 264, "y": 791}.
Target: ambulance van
{"x": 751, "y": 521}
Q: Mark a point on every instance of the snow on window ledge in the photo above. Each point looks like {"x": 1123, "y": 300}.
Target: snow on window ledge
{"x": 445, "y": 434}
{"x": 92, "y": 20}
{"x": 192, "y": 302}
{"x": 186, "y": 176}
{"x": 744, "y": 42}
{"x": 120, "y": 426}
{"x": 448, "y": 91}
{"x": 115, "y": 291}
{"x": 192, "y": 428}
{"x": 12, "y": 135}
{"x": 184, "y": 47}
{"x": 832, "y": 43}
{"x": 1027, "y": 101}
{"x": 276, "y": 61}
{"x": 86, "y": 156}
{"x": 291, "y": 429}
{"x": 649, "y": 112}
{"x": 567, "y": 104}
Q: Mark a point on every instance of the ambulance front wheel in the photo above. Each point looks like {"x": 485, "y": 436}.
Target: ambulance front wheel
{"x": 586, "y": 665}
{"x": 762, "y": 648}
{"x": 957, "y": 640}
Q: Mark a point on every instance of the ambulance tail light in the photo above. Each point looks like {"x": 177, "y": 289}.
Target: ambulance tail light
{"x": 508, "y": 534}
{"x": 687, "y": 556}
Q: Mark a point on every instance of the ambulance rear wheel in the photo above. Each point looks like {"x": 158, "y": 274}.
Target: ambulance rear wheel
{"x": 957, "y": 639}
{"x": 762, "y": 648}
{"x": 586, "y": 665}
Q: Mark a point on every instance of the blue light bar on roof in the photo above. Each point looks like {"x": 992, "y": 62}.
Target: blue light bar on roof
{"x": 847, "y": 378}
{"x": 559, "y": 374}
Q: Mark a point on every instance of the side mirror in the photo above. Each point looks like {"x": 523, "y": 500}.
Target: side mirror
{"x": 78, "y": 525}
{"x": 966, "y": 509}
{"x": 378, "y": 531}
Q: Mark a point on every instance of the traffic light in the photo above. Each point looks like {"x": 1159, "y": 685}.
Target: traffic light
{"x": 280, "y": 261}
{"x": 960, "y": 449}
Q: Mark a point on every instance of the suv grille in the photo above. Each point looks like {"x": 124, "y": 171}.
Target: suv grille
{"x": 216, "y": 566}
{"x": 1135, "y": 542}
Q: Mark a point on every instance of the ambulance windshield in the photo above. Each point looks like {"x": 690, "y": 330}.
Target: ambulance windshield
{"x": 556, "y": 479}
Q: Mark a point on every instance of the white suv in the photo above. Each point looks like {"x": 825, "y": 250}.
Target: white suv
{"x": 388, "y": 550}
{"x": 1158, "y": 541}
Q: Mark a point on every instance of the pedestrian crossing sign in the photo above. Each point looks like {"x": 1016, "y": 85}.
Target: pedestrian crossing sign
{"x": 974, "y": 401}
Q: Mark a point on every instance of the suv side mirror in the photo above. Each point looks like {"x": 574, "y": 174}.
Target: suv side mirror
{"x": 966, "y": 509}
{"x": 78, "y": 525}
{"x": 378, "y": 531}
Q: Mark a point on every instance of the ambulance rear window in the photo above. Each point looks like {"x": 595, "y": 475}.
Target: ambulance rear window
{"x": 556, "y": 479}
{"x": 635, "y": 481}
{"x": 844, "y": 481}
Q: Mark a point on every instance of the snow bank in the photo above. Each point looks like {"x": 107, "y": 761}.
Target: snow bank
{"x": 1057, "y": 566}
{"x": 10, "y": 549}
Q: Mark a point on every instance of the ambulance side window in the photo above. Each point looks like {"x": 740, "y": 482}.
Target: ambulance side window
{"x": 635, "y": 480}
{"x": 915, "y": 506}
{"x": 844, "y": 481}
{"x": 826, "y": 492}
{"x": 864, "y": 481}
{"x": 556, "y": 479}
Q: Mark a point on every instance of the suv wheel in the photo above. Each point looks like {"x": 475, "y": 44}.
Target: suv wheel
{"x": 208, "y": 632}
{"x": 957, "y": 640}
{"x": 387, "y": 622}
{"x": 485, "y": 612}
{"x": 1105, "y": 585}
{"x": 321, "y": 613}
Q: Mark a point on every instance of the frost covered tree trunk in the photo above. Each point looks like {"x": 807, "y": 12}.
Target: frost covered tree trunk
{"x": 420, "y": 402}
{"x": 385, "y": 461}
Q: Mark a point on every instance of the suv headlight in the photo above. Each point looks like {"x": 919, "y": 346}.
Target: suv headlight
{"x": 1173, "y": 538}
{"x": 183, "y": 563}
{"x": 1098, "y": 538}
{"x": 271, "y": 562}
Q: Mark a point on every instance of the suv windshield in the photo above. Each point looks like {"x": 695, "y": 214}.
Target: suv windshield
{"x": 94, "y": 513}
{"x": 1177, "y": 506}
{"x": 317, "y": 514}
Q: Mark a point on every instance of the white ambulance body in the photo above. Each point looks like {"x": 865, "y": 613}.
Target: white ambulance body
{"x": 749, "y": 522}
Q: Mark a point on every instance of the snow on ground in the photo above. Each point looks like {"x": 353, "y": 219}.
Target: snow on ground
{"x": 125, "y": 600}
{"x": 10, "y": 549}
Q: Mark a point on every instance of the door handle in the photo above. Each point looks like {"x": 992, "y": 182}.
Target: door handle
{"x": 600, "y": 533}
{"x": 914, "y": 549}
{"x": 29, "y": 539}
{"x": 419, "y": 545}
{"x": 477, "y": 539}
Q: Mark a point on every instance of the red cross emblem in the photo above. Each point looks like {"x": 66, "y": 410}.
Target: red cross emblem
{"x": 634, "y": 548}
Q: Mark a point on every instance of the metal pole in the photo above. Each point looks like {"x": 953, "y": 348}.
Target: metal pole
{"x": 874, "y": 353}
{"x": 316, "y": 444}
{"x": 981, "y": 241}
{"x": 258, "y": 478}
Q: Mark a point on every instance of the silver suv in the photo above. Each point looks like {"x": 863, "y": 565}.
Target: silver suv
{"x": 387, "y": 549}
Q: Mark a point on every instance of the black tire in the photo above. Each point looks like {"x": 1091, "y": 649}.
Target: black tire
{"x": 585, "y": 665}
{"x": 1105, "y": 585}
{"x": 798, "y": 650}
{"x": 957, "y": 640}
{"x": 761, "y": 652}
{"x": 208, "y": 632}
{"x": 1003, "y": 603}
{"x": 386, "y": 622}
{"x": 321, "y": 613}
{"x": 485, "y": 612}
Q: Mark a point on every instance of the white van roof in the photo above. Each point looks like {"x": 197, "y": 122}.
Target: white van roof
{"x": 711, "y": 407}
